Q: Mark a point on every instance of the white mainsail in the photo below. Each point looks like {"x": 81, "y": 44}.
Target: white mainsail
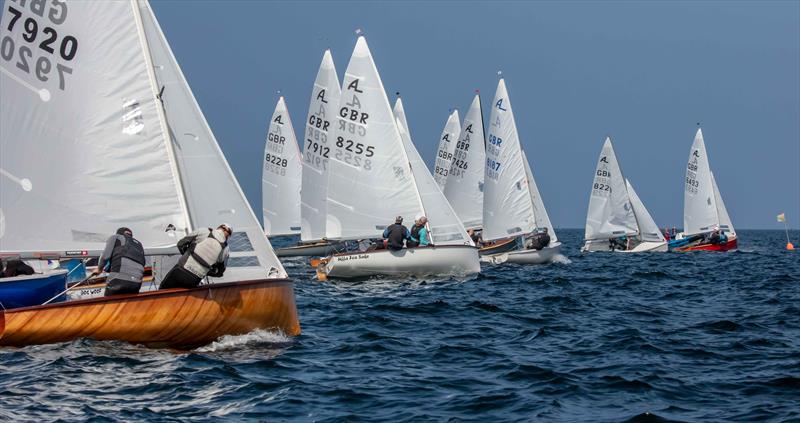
{"x": 648, "y": 229}
{"x": 699, "y": 202}
{"x": 507, "y": 207}
{"x": 447, "y": 145}
{"x": 370, "y": 180}
{"x": 281, "y": 175}
{"x": 319, "y": 138}
{"x": 445, "y": 227}
{"x": 610, "y": 212}
{"x": 464, "y": 188}
{"x": 539, "y": 212}
{"x": 724, "y": 220}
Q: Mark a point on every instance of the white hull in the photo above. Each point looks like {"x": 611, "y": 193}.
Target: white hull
{"x": 422, "y": 261}
{"x": 643, "y": 247}
{"x": 545, "y": 255}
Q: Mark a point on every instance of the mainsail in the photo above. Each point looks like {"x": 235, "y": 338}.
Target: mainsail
{"x": 610, "y": 212}
{"x": 319, "y": 139}
{"x": 464, "y": 188}
{"x": 281, "y": 175}
{"x": 507, "y": 207}
{"x": 370, "y": 180}
{"x": 444, "y": 225}
{"x": 699, "y": 202}
{"x": 647, "y": 226}
{"x": 539, "y": 212}
{"x": 447, "y": 145}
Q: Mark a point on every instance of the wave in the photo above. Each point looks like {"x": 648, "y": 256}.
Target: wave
{"x": 257, "y": 336}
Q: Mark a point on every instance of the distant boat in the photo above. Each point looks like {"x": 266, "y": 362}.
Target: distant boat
{"x": 373, "y": 178}
{"x": 706, "y": 223}
{"x": 464, "y": 187}
{"x": 281, "y": 175}
{"x": 512, "y": 209}
{"x": 147, "y": 160}
{"x": 617, "y": 219}
{"x": 447, "y": 145}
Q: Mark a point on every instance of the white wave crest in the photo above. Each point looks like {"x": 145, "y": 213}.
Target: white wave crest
{"x": 561, "y": 259}
{"x": 257, "y": 336}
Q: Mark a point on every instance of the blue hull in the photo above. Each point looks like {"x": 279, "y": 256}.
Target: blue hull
{"x": 29, "y": 291}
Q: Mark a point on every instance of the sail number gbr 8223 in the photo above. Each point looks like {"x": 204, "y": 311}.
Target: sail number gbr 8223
{"x": 43, "y": 52}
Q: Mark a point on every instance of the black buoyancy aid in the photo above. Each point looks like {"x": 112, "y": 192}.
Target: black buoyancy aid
{"x": 415, "y": 235}
{"x": 131, "y": 250}
{"x": 397, "y": 233}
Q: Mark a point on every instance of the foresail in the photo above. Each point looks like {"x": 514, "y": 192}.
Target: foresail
{"x": 647, "y": 226}
{"x": 539, "y": 212}
{"x": 447, "y": 145}
{"x": 445, "y": 227}
{"x": 724, "y": 220}
{"x": 507, "y": 208}
{"x": 281, "y": 175}
{"x": 370, "y": 180}
{"x": 83, "y": 146}
{"x": 212, "y": 192}
{"x": 610, "y": 213}
{"x": 319, "y": 138}
{"x": 464, "y": 188}
{"x": 699, "y": 203}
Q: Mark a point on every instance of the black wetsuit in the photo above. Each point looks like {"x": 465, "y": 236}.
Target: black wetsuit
{"x": 396, "y": 234}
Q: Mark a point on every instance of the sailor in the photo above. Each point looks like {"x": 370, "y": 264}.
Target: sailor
{"x": 15, "y": 267}
{"x": 395, "y": 234}
{"x": 475, "y": 237}
{"x": 419, "y": 233}
{"x": 539, "y": 240}
{"x": 205, "y": 253}
{"x": 123, "y": 259}
{"x": 666, "y": 234}
{"x": 714, "y": 237}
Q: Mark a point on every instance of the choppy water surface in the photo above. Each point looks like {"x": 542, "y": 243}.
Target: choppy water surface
{"x": 600, "y": 337}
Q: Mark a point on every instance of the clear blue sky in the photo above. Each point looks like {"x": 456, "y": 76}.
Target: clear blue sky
{"x": 643, "y": 72}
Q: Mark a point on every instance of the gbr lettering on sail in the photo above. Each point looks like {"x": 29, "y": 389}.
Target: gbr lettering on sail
{"x": 350, "y": 145}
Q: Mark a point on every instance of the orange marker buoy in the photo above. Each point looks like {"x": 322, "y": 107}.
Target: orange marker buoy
{"x": 789, "y": 246}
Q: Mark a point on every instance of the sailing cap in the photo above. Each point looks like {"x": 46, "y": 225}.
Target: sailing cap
{"x": 398, "y": 219}
{"x": 226, "y": 227}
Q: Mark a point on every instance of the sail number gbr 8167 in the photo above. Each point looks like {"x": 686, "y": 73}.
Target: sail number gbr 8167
{"x": 43, "y": 52}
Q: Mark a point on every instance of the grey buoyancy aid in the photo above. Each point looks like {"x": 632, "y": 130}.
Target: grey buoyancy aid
{"x": 205, "y": 253}
{"x": 132, "y": 250}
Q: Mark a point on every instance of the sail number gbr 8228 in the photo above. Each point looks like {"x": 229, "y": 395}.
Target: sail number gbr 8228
{"x": 44, "y": 51}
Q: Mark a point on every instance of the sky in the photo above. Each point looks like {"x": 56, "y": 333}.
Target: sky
{"x": 644, "y": 73}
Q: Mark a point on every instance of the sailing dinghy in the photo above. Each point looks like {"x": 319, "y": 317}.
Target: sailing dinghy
{"x": 447, "y": 145}
{"x": 512, "y": 207}
{"x": 372, "y": 179}
{"x": 706, "y": 223}
{"x": 146, "y": 160}
{"x": 617, "y": 219}
{"x": 281, "y": 176}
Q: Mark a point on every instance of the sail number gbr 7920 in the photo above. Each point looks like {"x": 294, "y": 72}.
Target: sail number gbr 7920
{"x": 44, "y": 51}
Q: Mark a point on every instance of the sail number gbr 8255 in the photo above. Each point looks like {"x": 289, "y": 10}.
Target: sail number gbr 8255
{"x": 43, "y": 49}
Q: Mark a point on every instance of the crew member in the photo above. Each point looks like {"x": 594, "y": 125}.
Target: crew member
{"x": 15, "y": 267}
{"x": 475, "y": 237}
{"x": 419, "y": 233}
{"x": 123, "y": 258}
{"x": 714, "y": 237}
{"x": 539, "y": 240}
{"x": 395, "y": 234}
{"x": 205, "y": 253}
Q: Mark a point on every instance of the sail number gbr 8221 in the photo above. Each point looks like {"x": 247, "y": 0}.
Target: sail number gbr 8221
{"x": 44, "y": 51}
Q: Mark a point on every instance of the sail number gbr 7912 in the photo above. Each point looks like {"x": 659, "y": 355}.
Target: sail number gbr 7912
{"x": 44, "y": 50}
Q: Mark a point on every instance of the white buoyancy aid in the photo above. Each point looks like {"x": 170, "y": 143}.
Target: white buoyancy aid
{"x": 210, "y": 247}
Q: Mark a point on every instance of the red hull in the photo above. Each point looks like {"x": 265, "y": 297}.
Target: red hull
{"x": 730, "y": 245}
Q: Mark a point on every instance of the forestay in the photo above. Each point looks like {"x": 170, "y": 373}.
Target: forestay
{"x": 464, "y": 188}
{"x": 724, "y": 220}
{"x": 539, "y": 212}
{"x": 370, "y": 180}
{"x": 281, "y": 175}
{"x": 610, "y": 212}
{"x": 647, "y": 226}
{"x": 447, "y": 145}
{"x": 507, "y": 207}
{"x": 444, "y": 226}
{"x": 317, "y": 148}
{"x": 699, "y": 202}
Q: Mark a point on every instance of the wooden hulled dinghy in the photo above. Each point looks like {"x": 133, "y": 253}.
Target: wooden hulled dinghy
{"x": 315, "y": 249}
{"x": 175, "y": 318}
{"x": 499, "y": 247}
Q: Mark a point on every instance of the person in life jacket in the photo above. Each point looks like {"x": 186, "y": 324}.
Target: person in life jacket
{"x": 395, "y": 234}
{"x": 123, "y": 259}
{"x": 15, "y": 267}
{"x": 205, "y": 253}
{"x": 538, "y": 240}
{"x": 419, "y": 233}
{"x": 475, "y": 237}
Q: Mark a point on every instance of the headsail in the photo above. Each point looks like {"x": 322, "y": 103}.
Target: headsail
{"x": 444, "y": 225}
{"x": 507, "y": 207}
{"x": 699, "y": 202}
{"x": 319, "y": 138}
{"x": 724, "y": 220}
{"x": 464, "y": 188}
{"x": 370, "y": 180}
{"x": 539, "y": 212}
{"x": 610, "y": 212}
{"x": 447, "y": 145}
{"x": 281, "y": 175}
{"x": 647, "y": 226}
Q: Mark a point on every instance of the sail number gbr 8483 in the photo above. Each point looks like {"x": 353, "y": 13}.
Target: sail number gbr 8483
{"x": 45, "y": 50}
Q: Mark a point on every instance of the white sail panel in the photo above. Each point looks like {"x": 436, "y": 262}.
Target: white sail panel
{"x": 369, "y": 184}
{"x": 443, "y": 224}
{"x": 281, "y": 175}
{"x": 724, "y": 220}
{"x": 464, "y": 188}
{"x": 83, "y": 147}
{"x": 610, "y": 212}
{"x": 507, "y": 207}
{"x": 648, "y": 229}
{"x": 212, "y": 192}
{"x": 539, "y": 212}
{"x": 447, "y": 145}
{"x": 699, "y": 203}
{"x": 317, "y": 148}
